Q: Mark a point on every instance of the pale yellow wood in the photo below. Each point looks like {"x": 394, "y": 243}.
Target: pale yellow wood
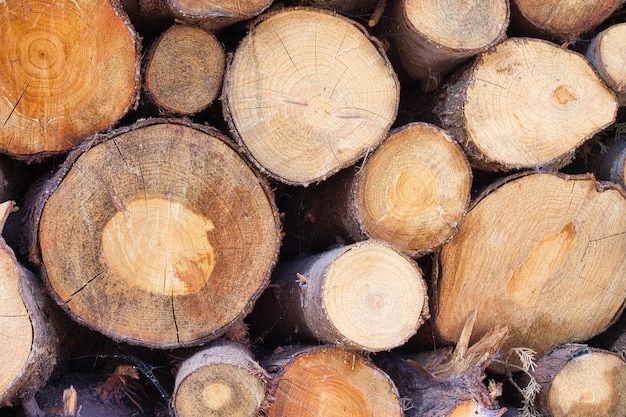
{"x": 607, "y": 53}
{"x": 308, "y": 93}
{"x": 542, "y": 255}
{"x": 591, "y": 384}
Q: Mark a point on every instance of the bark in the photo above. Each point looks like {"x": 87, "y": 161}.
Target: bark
{"x": 560, "y": 21}
{"x": 60, "y": 79}
{"x": 577, "y": 381}
{"x": 364, "y": 296}
{"x": 540, "y": 254}
{"x": 184, "y": 70}
{"x": 348, "y": 7}
{"x": 29, "y": 348}
{"x": 168, "y": 237}
{"x": 431, "y": 44}
{"x": 511, "y": 110}
{"x": 448, "y": 382}
{"x": 608, "y": 162}
{"x": 308, "y": 93}
{"x": 212, "y": 16}
{"x": 326, "y": 380}
{"x": 222, "y": 379}
{"x": 607, "y": 54}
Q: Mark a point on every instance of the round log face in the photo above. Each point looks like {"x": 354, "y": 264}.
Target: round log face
{"x": 414, "y": 190}
{"x": 185, "y": 71}
{"x": 308, "y": 93}
{"x": 331, "y": 381}
{"x": 161, "y": 236}
{"x": 374, "y": 297}
{"x": 220, "y": 389}
{"x": 540, "y": 254}
{"x": 607, "y": 53}
{"x": 565, "y": 20}
{"x": 590, "y": 384}
{"x": 60, "y": 79}
{"x": 522, "y": 109}
{"x": 458, "y": 25}
{"x": 16, "y": 332}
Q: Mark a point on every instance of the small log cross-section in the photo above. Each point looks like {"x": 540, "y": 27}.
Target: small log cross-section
{"x": 431, "y": 43}
{"x": 330, "y": 381}
{"x": 580, "y": 381}
{"x": 308, "y": 92}
{"x": 413, "y": 191}
{"x": 61, "y": 80}
{"x": 364, "y": 296}
{"x": 221, "y": 380}
{"x": 540, "y": 254}
{"x": 526, "y": 103}
{"x": 560, "y": 21}
{"x": 184, "y": 69}
{"x": 160, "y": 235}
{"x": 28, "y": 342}
{"x": 607, "y": 54}
{"x": 215, "y": 14}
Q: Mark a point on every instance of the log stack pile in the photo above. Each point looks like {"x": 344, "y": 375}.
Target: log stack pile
{"x": 357, "y": 208}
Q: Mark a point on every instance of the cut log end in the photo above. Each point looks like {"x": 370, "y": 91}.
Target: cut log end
{"x": 333, "y": 381}
{"x": 365, "y": 296}
{"x": 562, "y": 21}
{"x": 511, "y": 110}
{"x": 414, "y": 190}
{"x": 607, "y": 53}
{"x": 431, "y": 44}
{"x": 374, "y": 298}
{"x": 577, "y": 380}
{"x": 545, "y": 256}
{"x": 185, "y": 69}
{"x": 53, "y": 93}
{"x": 170, "y": 247}
{"x": 28, "y": 352}
{"x": 339, "y": 100}
{"x": 220, "y": 380}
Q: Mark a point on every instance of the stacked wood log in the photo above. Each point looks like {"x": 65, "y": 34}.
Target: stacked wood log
{"x": 364, "y": 296}
{"x": 223, "y": 379}
{"x": 318, "y": 380}
{"x": 309, "y": 93}
{"x": 553, "y": 276}
{"x": 161, "y": 243}
{"x": 430, "y": 44}
{"x": 29, "y": 349}
{"x": 578, "y": 380}
{"x": 295, "y": 248}
{"x": 61, "y": 79}
{"x": 185, "y": 69}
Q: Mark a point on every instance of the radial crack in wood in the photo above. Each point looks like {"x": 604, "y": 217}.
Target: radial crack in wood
{"x": 60, "y": 79}
{"x": 168, "y": 236}
{"x": 307, "y": 93}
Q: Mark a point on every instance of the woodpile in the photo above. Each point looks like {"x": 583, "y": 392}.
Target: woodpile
{"x": 403, "y": 208}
